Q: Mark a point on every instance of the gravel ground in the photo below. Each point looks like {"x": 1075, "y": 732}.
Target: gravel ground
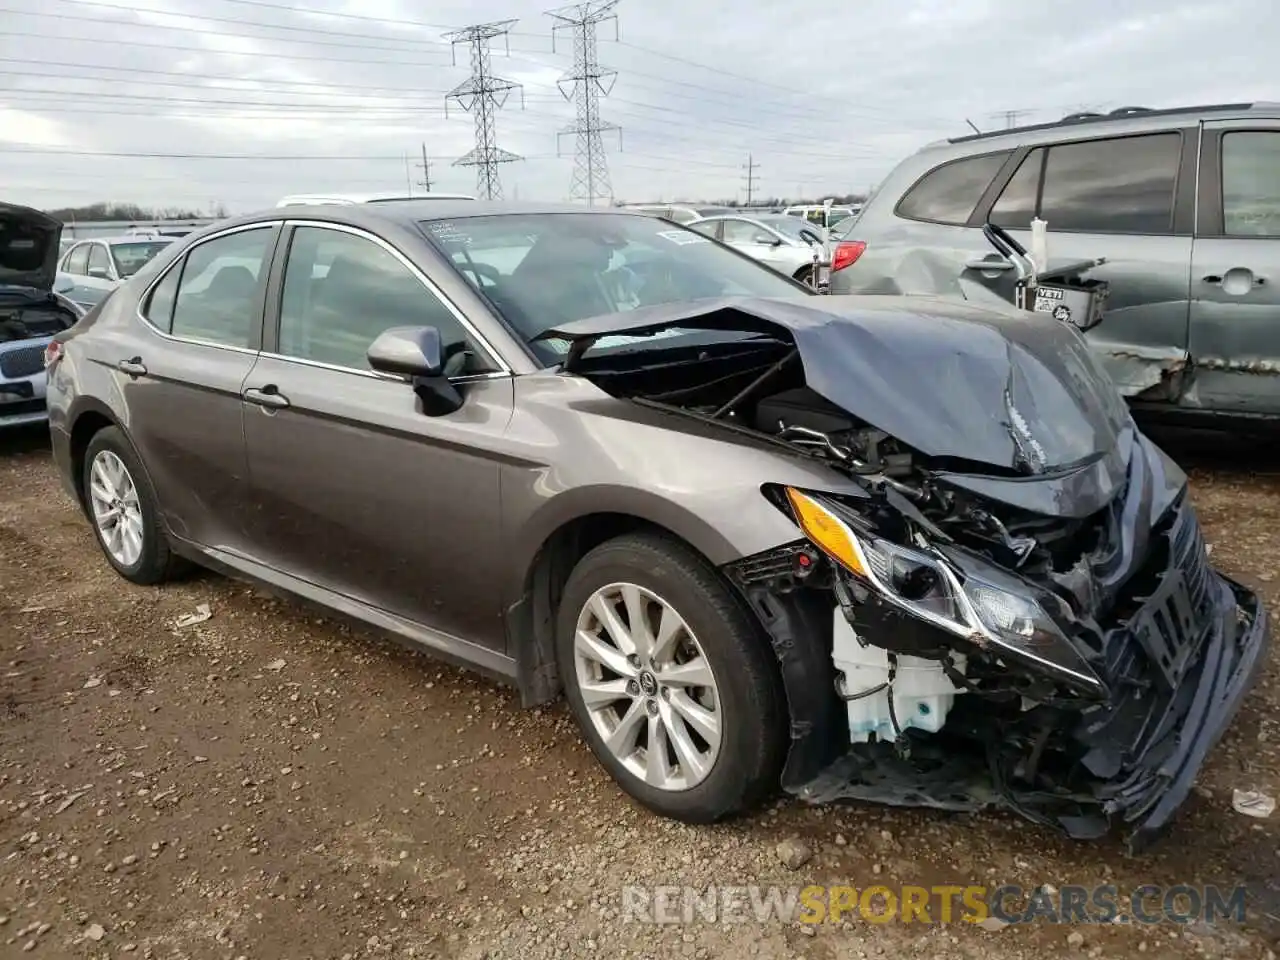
{"x": 273, "y": 784}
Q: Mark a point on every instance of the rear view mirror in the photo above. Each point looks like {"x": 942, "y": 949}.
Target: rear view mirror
{"x": 417, "y": 353}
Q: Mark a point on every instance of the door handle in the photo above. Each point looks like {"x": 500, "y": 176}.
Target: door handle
{"x": 988, "y": 265}
{"x": 1217, "y": 279}
{"x": 268, "y": 396}
{"x": 134, "y": 367}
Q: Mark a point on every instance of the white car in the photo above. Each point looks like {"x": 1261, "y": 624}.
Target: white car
{"x": 90, "y": 269}
{"x": 312, "y": 199}
{"x": 787, "y": 244}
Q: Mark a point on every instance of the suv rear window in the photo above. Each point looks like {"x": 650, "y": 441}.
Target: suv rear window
{"x": 1118, "y": 185}
{"x": 948, "y": 194}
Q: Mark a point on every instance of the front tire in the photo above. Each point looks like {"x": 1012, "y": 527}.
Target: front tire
{"x": 669, "y": 679}
{"x": 122, "y": 509}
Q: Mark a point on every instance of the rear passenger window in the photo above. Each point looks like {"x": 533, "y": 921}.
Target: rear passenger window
{"x": 78, "y": 260}
{"x": 1124, "y": 185}
{"x": 948, "y": 194}
{"x": 1251, "y": 184}
{"x": 158, "y": 309}
{"x": 217, "y": 295}
{"x": 1016, "y": 207}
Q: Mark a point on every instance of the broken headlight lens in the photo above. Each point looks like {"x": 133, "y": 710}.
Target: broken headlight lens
{"x": 932, "y": 589}
{"x": 906, "y": 577}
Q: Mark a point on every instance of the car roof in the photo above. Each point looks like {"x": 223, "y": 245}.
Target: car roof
{"x": 126, "y": 238}
{"x": 1089, "y": 119}
{"x": 306, "y": 199}
{"x": 407, "y": 213}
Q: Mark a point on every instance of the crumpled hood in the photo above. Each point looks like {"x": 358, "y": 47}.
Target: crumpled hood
{"x": 28, "y": 247}
{"x": 955, "y": 381}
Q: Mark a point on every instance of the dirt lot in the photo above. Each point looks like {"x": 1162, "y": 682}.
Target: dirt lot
{"x": 271, "y": 784}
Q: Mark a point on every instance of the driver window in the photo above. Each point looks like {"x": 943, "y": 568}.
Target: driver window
{"x": 342, "y": 290}
{"x": 739, "y": 231}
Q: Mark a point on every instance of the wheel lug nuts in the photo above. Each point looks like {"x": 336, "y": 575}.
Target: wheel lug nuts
{"x": 633, "y": 660}
{"x": 633, "y": 688}
{"x": 651, "y": 706}
{"x": 666, "y": 693}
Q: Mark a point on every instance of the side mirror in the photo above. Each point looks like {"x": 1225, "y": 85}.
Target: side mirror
{"x": 98, "y": 273}
{"x": 63, "y": 284}
{"x": 417, "y": 353}
{"x": 407, "y": 352}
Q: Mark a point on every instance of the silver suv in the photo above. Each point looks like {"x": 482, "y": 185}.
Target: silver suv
{"x": 1184, "y": 204}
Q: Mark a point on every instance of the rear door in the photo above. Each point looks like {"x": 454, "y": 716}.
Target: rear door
{"x": 1129, "y": 199}
{"x": 181, "y": 373}
{"x": 1235, "y": 270}
{"x": 74, "y": 268}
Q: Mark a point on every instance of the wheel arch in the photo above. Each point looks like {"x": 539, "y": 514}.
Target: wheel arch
{"x": 90, "y": 418}
{"x": 557, "y": 547}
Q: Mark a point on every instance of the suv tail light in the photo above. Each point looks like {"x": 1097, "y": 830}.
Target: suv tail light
{"x": 52, "y": 353}
{"x": 847, "y": 254}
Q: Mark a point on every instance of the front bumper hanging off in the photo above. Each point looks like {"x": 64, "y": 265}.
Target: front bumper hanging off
{"x": 1179, "y": 666}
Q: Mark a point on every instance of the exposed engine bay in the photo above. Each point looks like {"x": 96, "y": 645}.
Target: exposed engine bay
{"x": 32, "y": 318}
{"x": 1001, "y": 617}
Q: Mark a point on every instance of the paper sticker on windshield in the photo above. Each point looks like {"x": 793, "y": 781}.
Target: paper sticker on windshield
{"x": 683, "y": 237}
{"x": 447, "y": 232}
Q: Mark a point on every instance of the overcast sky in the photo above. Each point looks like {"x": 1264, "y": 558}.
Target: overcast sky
{"x": 267, "y": 97}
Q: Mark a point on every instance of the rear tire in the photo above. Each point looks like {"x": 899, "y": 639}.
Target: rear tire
{"x": 122, "y": 509}
{"x": 709, "y": 698}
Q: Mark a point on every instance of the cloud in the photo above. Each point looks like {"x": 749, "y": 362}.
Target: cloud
{"x": 238, "y": 102}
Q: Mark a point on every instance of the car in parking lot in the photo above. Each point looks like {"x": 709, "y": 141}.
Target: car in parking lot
{"x": 31, "y": 312}
{"x": 1184, "y": 205}
{"x": 899, "y": 549}
{"x": 90, "y": 269}
{"x": 787, "y": 244}
{"x": 678, "y": 212}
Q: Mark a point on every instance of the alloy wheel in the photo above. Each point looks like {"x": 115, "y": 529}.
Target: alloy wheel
{"x": 117, "y": 514}
{"x": 648, "y": 688}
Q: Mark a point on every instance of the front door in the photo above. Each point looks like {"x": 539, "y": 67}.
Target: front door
{"x": 355, "y": 488}
{"x": 181, "y": 374}
{"x": 756, "y": 242}
{"x": 1235, "y": 270}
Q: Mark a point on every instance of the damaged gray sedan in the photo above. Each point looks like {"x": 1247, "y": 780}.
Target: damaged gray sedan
{"x": 892, "y": 549}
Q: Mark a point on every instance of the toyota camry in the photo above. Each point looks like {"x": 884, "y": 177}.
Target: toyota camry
{"x": 897, "y": 549}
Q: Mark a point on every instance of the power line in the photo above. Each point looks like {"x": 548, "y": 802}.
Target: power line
{"x": 836, "y": 113}
{"x": 482, "y": 95}
{"x": 588, "y": 82}
{"x": 751, "y": 168}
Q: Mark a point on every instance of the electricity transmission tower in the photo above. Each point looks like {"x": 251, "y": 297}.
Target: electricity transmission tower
{"x": 1011, "y": 117}
{"x": 751, "y": 169}
{"x": 482, "y": 95}
{"x": 586, "y": 84}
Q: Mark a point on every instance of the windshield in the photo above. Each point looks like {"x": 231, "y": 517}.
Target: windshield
{"x": 132, "y": 257}
{"x": 541, "y": 271}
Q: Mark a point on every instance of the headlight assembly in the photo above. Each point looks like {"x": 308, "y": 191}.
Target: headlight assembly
{"x": 928, "y": 586}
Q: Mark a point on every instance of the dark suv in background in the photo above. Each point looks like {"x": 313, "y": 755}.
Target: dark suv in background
{"x": 1184, "y": 204}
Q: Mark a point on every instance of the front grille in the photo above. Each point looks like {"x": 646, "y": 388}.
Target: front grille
{"x": 1176, "y": 612}
{"x": 23, "y": 362}
{"x": 21, "y": 408}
